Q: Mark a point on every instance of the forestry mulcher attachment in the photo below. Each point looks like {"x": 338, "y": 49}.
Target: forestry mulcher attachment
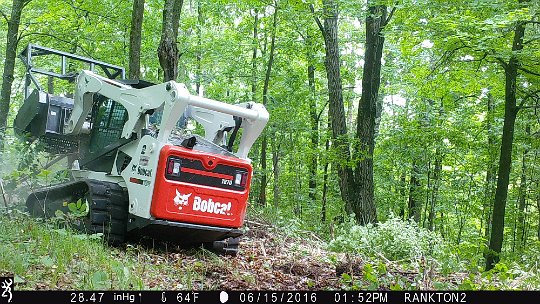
{"x": 134, "y": 177}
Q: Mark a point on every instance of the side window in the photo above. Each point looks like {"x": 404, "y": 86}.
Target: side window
{"x": 108, "y": 118}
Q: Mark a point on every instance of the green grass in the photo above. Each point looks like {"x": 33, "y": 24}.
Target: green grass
{"x": 47, "y": 255}
{"x": 44, "y": 255}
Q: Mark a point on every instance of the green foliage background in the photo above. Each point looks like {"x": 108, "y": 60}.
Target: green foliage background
{"x": 440, "y": 67}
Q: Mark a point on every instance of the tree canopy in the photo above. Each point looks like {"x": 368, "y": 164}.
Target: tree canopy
{"x": 379, "y": 109}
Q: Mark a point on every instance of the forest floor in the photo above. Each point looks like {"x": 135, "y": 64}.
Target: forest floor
{"x": 267, "y": 260}
{"x": 43, "y": 256}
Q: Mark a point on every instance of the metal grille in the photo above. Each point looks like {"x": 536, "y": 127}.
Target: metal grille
{"x": 59, "y": 144}
{"x": 108, "y": 122}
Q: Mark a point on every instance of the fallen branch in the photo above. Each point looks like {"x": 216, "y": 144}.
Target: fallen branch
{"x": 249, "y": 222}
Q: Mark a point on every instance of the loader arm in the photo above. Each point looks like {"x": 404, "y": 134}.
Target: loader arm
{"x": 175, "y": 99}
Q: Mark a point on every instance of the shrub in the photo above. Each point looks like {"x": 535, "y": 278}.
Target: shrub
{"x": 395, "y": 239}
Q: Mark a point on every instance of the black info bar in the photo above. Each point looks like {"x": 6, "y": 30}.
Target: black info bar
{"x": 246, "y": 297}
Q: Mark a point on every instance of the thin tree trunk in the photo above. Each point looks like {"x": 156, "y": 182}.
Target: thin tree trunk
{"x": 264, "y": 145}
{"x": 491, "y": 169}
{"x": 538, "y": 208}
{"x": 436, "y": 174}
{"x": 167, "y": 49}
{"x": 270, "y": 59}
{"x": 325, "y": 176}
{"x": 522, "y": 197}
{"x": 380, "y": 102}
{"x": 404, "y": 187}
{"x": 428, "y": 188}
{"x": 135, "y": 39}
{"x": 254, "y": 56}
{"x": 314, "y": 121}
{"x": 505, "y": 158}
{"x": 403, "y": 193}
{"x": 9, "y": 64}
{"x": 414, "y": 187}
{"x": 264, "y": 176}
{"x": 50, "y": 84}
{"x": 435, "y": 191}
{"x": 443, "y": 232}
{"x": 275, "y": 165}
{"x": 200, "y": 22}
{"x": 463, "y": 216}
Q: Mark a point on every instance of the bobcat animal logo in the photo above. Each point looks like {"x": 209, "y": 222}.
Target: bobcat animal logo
{"x": 6, "y": 285}
{"x": 181, "y": 200}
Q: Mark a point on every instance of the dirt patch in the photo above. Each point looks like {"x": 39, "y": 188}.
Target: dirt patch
{"x": 268, "y": 260}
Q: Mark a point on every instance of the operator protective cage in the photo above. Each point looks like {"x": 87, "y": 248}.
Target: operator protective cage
{"x": 170, "y": 178}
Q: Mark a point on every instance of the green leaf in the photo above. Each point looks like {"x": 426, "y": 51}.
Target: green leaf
{"x": 369, "y": 273}
{"x": 100, "y": 280}
{"x": 126, "y": 272}
{"x": 467, "y": 285}
{"x": 18, "y": 279}
{"x": 61, "y": 231}
{"x": 95, "y": 236}
{"x": 346, "y": 277}
{"x": 72, "y": 207}
{"x": 81, "y": 236}
{"x": 47, "y": 261}
{"x": 395, "y": 286}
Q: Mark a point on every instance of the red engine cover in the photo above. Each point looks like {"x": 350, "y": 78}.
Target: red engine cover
{"x": 200, "y": 188}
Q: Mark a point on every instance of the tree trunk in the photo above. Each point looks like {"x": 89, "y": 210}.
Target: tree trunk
{"x": 264, "y": 178}
{"x": 505, "y": 158}
{"x": 9, "y": 64}
{"x": 380, "y": 101}
{"x": 491, "y": 169}
{"x": 414, "y": 187}
{"x": 522, "y": 197}
{"x": 270, "y": 59}
{"x": 264, "y": 145}
{"x": 200, "y": 22}
{"x": 376, "y": 19}
{"x": 167, "y": 49}
{"x": 404, "y": 187}
{"x": 254, "y": 56}
{"x": 135, "y": 39}
{"x": 356, "y": 191}
{"x": 538, "y": 208}
{"x": 50, "y": 84}
{"x": 275, "y": 166}
{"x": 403, "y": 194}
{"x": 435, "y": 191}
{"x": 428, "y": 188}
{"x": 325, "y": 176}
{"x": 314, "y": 121}
{"x": 336, "y": 109}
{"x": 436, "y": 173}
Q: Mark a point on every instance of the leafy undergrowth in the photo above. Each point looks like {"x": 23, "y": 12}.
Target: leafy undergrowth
{"x": 44, "y": 256}
{"x": 400, "y": 255}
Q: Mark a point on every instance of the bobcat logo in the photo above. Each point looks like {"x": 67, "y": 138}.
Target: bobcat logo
{"x": 181, "y": 200}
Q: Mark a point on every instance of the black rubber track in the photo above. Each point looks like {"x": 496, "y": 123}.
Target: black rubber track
{"x": 108, "y": 206}
{"x": 108, "y": 210}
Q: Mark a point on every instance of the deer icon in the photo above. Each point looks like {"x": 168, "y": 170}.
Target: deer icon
{"x": 6, "y": 285}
